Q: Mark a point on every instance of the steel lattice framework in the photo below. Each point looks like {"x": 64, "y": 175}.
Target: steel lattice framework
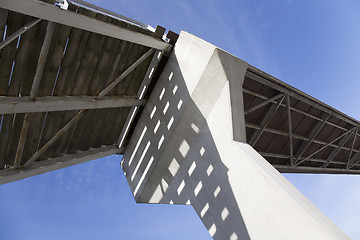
{"x": 72, "y": 83}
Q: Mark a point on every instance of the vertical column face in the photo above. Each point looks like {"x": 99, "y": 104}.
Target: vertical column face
{"x": 188, "y": 148}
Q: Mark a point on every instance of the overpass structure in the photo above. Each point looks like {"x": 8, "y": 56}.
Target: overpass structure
{"x": 195, "y": 124}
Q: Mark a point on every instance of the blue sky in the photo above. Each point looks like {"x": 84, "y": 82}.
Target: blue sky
{"x": 312, "y": 45}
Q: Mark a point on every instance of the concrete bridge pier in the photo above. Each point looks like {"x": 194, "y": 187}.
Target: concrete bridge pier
{"x": 189, "y": 147}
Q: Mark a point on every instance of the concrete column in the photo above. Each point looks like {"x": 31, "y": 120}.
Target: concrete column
{"x": 189, "y": 147}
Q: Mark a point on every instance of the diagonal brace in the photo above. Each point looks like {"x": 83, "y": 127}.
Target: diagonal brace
{"x": 266, "y": 120}
{"x": 314, "y": 132}
{"x": 336, "y": 150}
{"x": 354, "y": 161}
{"x": 264, "y": 103}
{"x": 322, "y": 148}
{"x": 124, "y": 74}
{"x": 18, "y": 33}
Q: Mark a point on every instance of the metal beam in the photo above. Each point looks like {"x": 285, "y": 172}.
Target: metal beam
{"x": 311, "y": 137}
{"x": 289, "y": 169}
{"x": 269, "y": 114}
{"x": 18, "y": 33}
{"x": 36, "y": 168}
{"x": 52, "y": 13}
{"x": 264, "y": 103}
{"x": 80, "y": 114}
{"x": 125, "y": 73}
{"x": 144, "y": 85}
{"x": 322, "y": 148}
{"x": 314, "y": 160}
{"x": 11, "y": 105}
{"x": 290, "y": 130}
{"x": 34, "y": 89}
{"x": 336, "y": 150}
{"x": 59, "y": 133}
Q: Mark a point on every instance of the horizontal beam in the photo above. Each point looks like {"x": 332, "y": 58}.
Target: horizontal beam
{"x": 289, "y": 169}
{"x": 39, "y": 167}
{"x": 52, "y": 13}
{"x": 11, "y": 105}
{"x": 314, "y": 160}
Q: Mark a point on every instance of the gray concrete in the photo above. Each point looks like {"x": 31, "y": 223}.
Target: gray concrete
{"x": 189, "y": 148}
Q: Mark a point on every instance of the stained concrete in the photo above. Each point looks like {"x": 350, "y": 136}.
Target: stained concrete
{"x": 189, "y": 148}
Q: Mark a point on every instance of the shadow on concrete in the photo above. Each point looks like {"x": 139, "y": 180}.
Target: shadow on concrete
{"x": 172, "y": 158}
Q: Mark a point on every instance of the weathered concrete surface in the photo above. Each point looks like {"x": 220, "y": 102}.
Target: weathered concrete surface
{"x": 189, "y": 148}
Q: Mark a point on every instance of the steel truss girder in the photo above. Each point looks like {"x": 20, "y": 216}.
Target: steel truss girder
{"x": 272, "y": 82}
{"x": 296, "y": 110}
{"x": 81, "y": 113}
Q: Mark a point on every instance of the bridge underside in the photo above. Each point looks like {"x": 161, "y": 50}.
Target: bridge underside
{"x": 190, "y": 147}
{"x": 75, "y": 81}
{"x": 294, "y": 131}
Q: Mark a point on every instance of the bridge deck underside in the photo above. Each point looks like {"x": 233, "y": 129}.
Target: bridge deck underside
{"x": 295, "y": 132}
{"x": 79, "y": 65}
